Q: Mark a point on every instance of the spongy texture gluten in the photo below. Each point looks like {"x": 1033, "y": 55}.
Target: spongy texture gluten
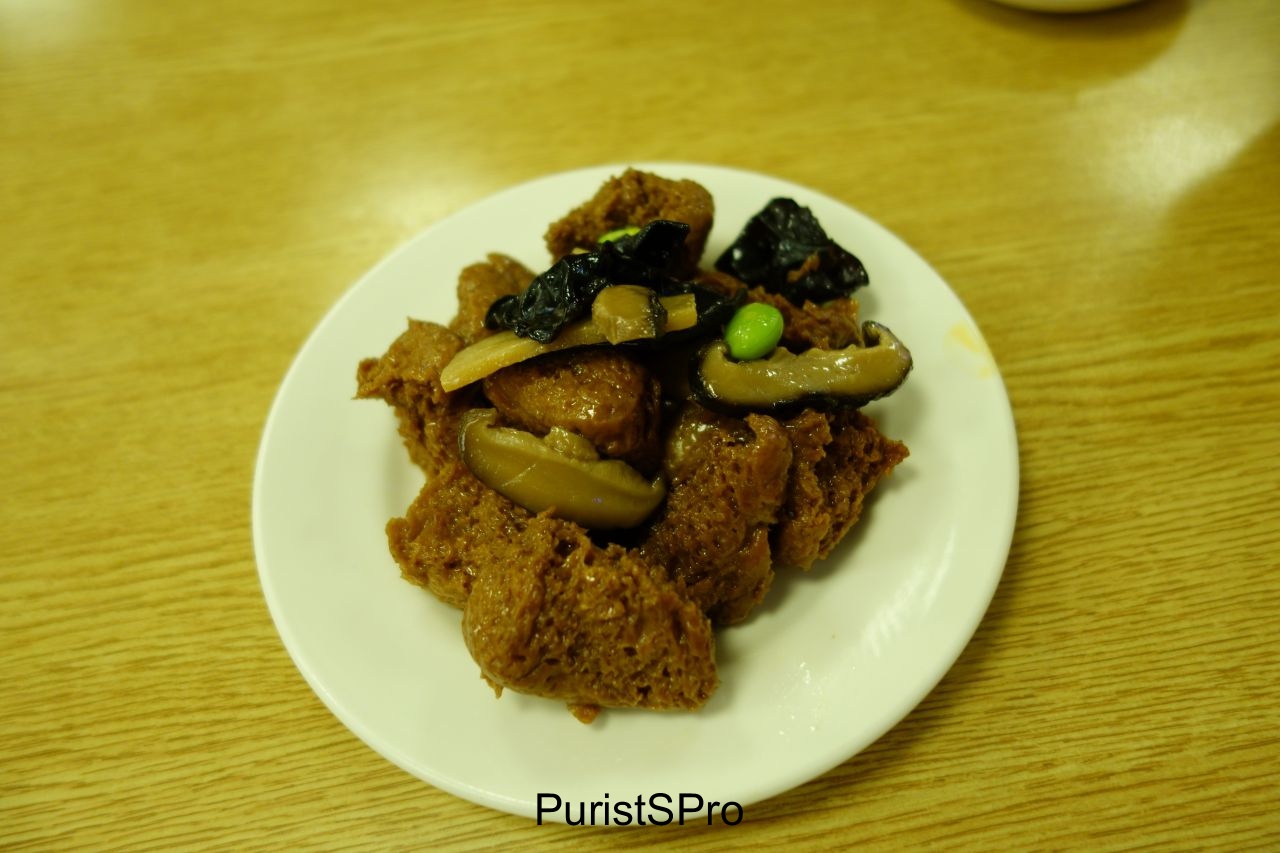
{"x": 407, "y": 377}
{"x": 549, "y": 612}
{"x": 455, "y": 528}
{"x": 838, "y": 458}
{"x": 589, "y": 624}
{"x": 727, "y": 482}
{"x": 479, "y": 286}
{"x": 636, "y": 198}
{"x": 599, "y": 393}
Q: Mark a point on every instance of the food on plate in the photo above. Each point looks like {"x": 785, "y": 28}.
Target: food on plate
{"x": 561, "y": 473}
{"x": 614, "y": 323}
{"x": 853, "y": 375}
{"x": 631, "y": 201}
{"x": 621, "y": 451}
{"x": 784, "y": 249}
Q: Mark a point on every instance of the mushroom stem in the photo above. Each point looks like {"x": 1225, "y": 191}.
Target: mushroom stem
{"x": 504, "y": 349}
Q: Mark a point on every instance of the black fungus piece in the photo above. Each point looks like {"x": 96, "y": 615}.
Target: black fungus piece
{"x": 564, "y": 293}
{"x": 784, "y": 242}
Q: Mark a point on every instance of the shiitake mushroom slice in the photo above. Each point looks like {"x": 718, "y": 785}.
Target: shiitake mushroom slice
{"x": 560, "y": 472}
{"x": 504, "y": 349}
{"x": 852, "y": 376}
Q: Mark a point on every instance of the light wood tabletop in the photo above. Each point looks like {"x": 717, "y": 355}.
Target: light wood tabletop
{"x": 186, "y": 188}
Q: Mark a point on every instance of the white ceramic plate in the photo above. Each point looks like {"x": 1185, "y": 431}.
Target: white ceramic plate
{"x": 830, "y": 661}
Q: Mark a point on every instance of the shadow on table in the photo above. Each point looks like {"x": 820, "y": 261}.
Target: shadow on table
{"x": 1019, "y": 49}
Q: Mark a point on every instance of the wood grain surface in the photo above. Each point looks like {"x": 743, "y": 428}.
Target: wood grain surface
{"x": 185, "y": 188}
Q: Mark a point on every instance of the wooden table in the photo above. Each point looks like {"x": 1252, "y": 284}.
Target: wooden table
{"x": 187, "y": 187}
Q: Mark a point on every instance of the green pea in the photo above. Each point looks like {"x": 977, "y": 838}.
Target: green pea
{"x": 754, "y": 331}
{"x": 618, "y": 233}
